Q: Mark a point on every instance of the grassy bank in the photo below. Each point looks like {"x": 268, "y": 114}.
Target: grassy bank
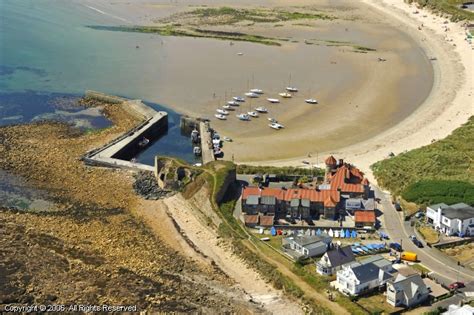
{"x": 229, "y": 16}
{"x": 440, "y": 172}
{"x": 170, "y": 30}
{"x": 429, "y": 234}
{"x": 272, "y": 265}
{"x": 451, "y": 7}
{"x": 286, "y": 170}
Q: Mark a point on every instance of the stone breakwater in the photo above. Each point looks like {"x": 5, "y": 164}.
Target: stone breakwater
{"x": 116, "y": 153}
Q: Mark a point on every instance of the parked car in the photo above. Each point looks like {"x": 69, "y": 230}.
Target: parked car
{"x": 416, "y": 241}
{"x": 396, "y": 246}
{"x": 456, "y": 285}
{"x": 419, "y": 214}
{"x": 398, "y": 207}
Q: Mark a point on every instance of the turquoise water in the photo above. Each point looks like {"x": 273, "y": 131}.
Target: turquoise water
{"x": 46, "y": 52}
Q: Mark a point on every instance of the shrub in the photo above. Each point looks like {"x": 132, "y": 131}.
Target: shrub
{"x": 438, "y": 191}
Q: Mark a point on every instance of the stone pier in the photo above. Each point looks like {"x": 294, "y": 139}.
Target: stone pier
{"x": 206, "y": 143}
{"x": 153, "y": 123}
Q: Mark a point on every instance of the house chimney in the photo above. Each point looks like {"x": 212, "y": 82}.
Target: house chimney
{"x": 341, "y": 162}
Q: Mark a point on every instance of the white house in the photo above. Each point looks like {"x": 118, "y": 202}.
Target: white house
{"x": 333, "y": 260}
{"x": 359, "y": 277}
{"x": 407, "y": 291}
{"x": 454, "y": 219}
{"x": 302, "y": 246}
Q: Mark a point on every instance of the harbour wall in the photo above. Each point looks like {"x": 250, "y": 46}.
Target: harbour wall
{"x": 116, "y": 153}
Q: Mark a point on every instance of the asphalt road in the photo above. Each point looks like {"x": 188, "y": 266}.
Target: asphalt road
{"x": 393, "y": 224}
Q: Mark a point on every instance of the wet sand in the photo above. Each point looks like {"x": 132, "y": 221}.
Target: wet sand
{"x": 449, "y": 104}
{"x": 358, "y": 96}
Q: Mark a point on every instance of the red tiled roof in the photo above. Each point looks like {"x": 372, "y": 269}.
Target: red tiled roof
{"x": 250, "y": 191}
{"x": 275, "y": 192}
{"x": 293, "y": 193}
{"x": 251, "y": 219}
{"x": 330, "y": 160}
{"x": 364, "y": 216}
{"x": 348, "y": 179}
{"x": 266, "y": 220}
{"x": 311, "y": 194}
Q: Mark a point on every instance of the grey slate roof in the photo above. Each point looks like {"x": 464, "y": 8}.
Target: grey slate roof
{"x": 366, "y": 272}
{"x": 316, "y": 245}
{"x": 438, "y": 205}
{"x": 340, "y": 256}
{"x": 305, "y": 241}
{"x": 377, "y": 260}
{"x": 410, "y": 285}
{"x": 268, "y": 200}
{"x": 252, "y": 200}
{"x": 305, "y": 202}
{"x": 460, "y": 212}
{"x": 294, "y": 202}
{"x": 360, "y": 204}
{"x": 460, "y": 205}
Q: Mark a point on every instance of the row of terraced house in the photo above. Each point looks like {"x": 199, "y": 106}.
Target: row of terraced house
{"x": 344, "y": 184}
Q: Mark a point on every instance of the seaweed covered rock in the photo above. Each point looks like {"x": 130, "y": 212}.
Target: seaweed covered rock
{"x": 147, "y": 186}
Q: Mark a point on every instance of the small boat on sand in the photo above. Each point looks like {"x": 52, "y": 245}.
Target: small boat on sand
{"x": 311, "y": 101}
{"x": 220, "y": 116}
{"x": 240, "y": 54}
{"x": 251, "y": 95}
{"x": 233, "y": 103}
{"x": 143, "y": 142}
{"x": 227, "y": 139}
{"x": 243, "y": 117}
{"x": 256, "y": 91}
{"x": 261, "y": 109}
{"x": 238, "y": 99}
{"x": 285, "y": 95}
{"x": 253, "y": 114}
{"x": 276, "y": 125}
{"x": 228, "y": 107}
{"x": 222, "y": 111}
{"x": 291, "y": 89}
{"x": 272, "y": 120}
{"x": 273, "y": 100}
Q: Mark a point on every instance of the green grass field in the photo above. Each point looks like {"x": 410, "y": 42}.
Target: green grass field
{"x": 440, "y": 172}
{"x": 450, "y": 7}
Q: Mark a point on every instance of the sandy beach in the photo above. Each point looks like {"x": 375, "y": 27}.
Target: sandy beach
{"x": 448, "y": 106}
{"x": 359, "y": 97}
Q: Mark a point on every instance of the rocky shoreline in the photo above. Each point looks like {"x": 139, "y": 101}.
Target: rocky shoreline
{"x": 93, "y": 250}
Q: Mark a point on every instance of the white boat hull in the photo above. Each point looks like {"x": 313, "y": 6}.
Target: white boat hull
{"x": 273, "y": 100}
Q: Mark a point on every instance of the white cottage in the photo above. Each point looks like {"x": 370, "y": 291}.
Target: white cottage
{"x": 360, "y": 277}
{"x": 407, "y": 291}
{"x": 450, "y": 220}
